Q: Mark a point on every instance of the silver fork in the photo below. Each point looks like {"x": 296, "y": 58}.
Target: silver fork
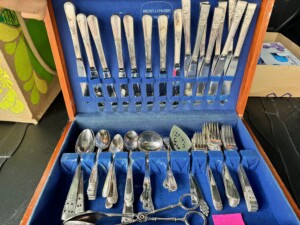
{"x": 230, "y": 144}
{"x": 212, "y": 136}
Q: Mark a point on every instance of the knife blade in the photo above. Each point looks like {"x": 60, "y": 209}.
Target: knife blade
{"x": 212, "y": 39}
{"x": 202, "y": 52}
{"x": 177, "y": 49}
{"x": 71, "y": 19}
{"x": 115, "y": 21}
{"x": 147, "y": 30}
{"x": 95, "y": 31}
{"x": 83, "y": 27}
{"x": 235, "y": 58}
{"x": 186, "y": 19}
{"x": 204, "y": 12}
{"x": 222, "y": 5}
{"x": 129, "y": 32}
{"x": 163, "y": 32}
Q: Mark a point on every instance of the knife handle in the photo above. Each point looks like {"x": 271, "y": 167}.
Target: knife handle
{"x": 222, "y": 5}
{"x": 203, "y": 41}
{"x": 177, "y": 35}
{"x": 83, "y": 27}
{"x": 71, "y": 18}
{"x": 116, "y": 29}
{"x": 231, "y": 8}
{"x": 147, "y": 30}
{"x": 95, "y": 31}
{"x": 246, "y": 23}
{"x": 213, "y": 33}
{"x": 129, "y": 32}
{"x": 239, "y": 11}
{"x": 204, "y": 12}
{"x": 186, "y": 19}
{"x": 163, "y": 32}
{"x": 216, "y": 199}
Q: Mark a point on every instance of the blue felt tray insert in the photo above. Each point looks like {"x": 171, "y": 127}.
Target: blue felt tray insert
{"x": 103, "y": 9}
{"x": 273, "y": 206}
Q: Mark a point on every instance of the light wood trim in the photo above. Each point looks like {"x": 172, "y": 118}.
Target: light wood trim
{"x": 274, "y": 172}
{"x": 45, "y": 176}
{"x": 257, "y": 42}
{"x": 59, "y": 60}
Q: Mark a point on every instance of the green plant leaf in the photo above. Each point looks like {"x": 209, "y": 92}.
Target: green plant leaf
{"x": 35, "y": 96}
{"x": 8, "y": 33}
{"x": 22, "y": 61}
{"x": 10, "y": 47}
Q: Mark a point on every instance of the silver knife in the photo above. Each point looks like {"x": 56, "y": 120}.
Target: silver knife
{"x": 116, "y": 29}
{"x": 129, "y": 32}
{"x": 215, "y": 195}
{"x": 204, "y": 12}
{"x": 186, "y": 20}
{"x": 147, "y": 30}
{"x": 95, "y": 31}
{"x": 235, "y": 58}
{"x": 223, "y": 5}
{"x": 231, "y": 191}
{"x": 231, "y": 9}
{"x": 71, "y": 18}
{"x": 163, "y": 32}
{"x": 177, "y": 49}
{"x": 218, "y": 71}
{"x": 195, "y": 189}
{"x": 218, "y": 13}
{"x": 83, "y": 27}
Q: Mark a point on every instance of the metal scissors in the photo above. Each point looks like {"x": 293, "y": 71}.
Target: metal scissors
{"x": 90, "y": 217}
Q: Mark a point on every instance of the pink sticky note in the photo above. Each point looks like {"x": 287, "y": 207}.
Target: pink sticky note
{"x": 228, "y": 219}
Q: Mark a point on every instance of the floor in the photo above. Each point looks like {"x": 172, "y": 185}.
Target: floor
{"x": 274, "y": 121}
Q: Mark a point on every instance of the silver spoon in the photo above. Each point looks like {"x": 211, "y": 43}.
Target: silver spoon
{"x": 148, "y": 141}
{"x": 102, "y": 142}
{"x": 75, "y": 200}
{"x": 170, "y": 182}
{"x": 130, "y": 142}
{"x": 110, "y": 190}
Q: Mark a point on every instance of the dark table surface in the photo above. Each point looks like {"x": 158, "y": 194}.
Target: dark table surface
{"x": 275, "y": 122}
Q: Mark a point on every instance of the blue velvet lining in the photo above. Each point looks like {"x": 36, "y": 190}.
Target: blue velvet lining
{"x": 103, "y": 9}
{"x": 273, "y": 206}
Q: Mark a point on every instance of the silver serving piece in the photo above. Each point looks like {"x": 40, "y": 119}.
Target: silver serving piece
{"x": 129, "y": 32}
{"x": 147, "y": 30}
{"x": 177, "y": 49}
{"x": 83, "y": 27}
{"x": 223, "y": 5}
{"x": 163, "y": 32}
{"x": 219, "y": 68}
{"x": 95, "y": 31}
{"x": 235, "y": 58}
{"x": 204, "y": 12}
{"x": 116, "y": 29}
{"x": 71, "y": 18}
{"x": 186, "y": 19}
{"x": 218, "y": 13}
{"x": 148, "y": 141}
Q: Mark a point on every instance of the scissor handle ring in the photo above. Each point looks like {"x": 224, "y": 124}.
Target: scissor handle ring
{"x": 191, "y": 196}
{"x": 194, "y": 212}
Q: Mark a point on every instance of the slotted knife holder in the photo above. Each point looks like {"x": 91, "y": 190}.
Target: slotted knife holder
{"x": 158, "y": 113}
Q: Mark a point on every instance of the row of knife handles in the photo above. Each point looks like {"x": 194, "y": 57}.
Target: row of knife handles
{"x": 155, "y": 94}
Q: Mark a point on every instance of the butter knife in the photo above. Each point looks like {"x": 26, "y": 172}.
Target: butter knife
{"x": 95, "y": 31}
{"x": 71, "y": 18}
{"x": 218, "y": 13}
{"x": 116, "y": 29}
{"x": 204, "y": 12}
{"x": 177, "y": 49}
{"x": 223, "y": 5}
{"x": 215, "y": 195}
{"x": 162, "y": 32}
{"x": 147, "y": 30}
{"x": 83, "y": 27}
{"x": 218, "y": 71}
{"x": 186, "y": 20}
{"x": 235, "y": 58}
{"x": 129, "y": 32}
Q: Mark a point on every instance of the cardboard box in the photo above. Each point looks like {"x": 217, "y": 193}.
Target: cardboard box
{"x": 273, "y": 80}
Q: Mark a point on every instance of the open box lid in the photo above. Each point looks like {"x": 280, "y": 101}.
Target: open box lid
{"x": 61, "y": 45}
